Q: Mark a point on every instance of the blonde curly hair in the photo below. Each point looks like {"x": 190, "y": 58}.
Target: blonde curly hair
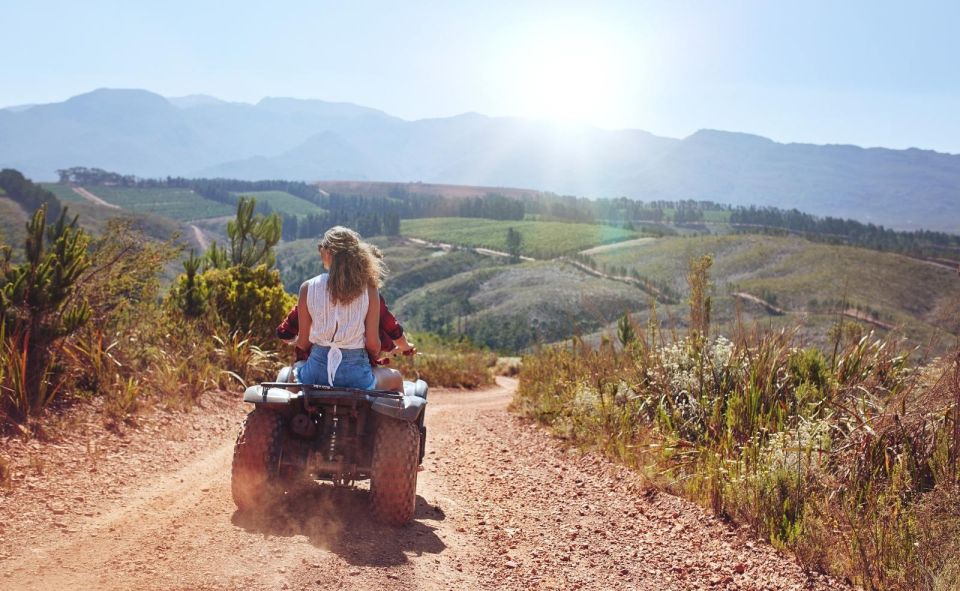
{"x": 354, "y": 267}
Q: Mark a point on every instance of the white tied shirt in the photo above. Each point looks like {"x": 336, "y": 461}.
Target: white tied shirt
{"x": 338, "y": 326}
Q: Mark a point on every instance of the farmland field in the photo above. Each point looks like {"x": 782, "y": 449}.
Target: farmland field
{"x": 63, "y": 192}
{"x": 709, "y": 215}
{"x": 283, "y": 202}
{"x": 540, "y": 239}
{"x": 177, "y": 204}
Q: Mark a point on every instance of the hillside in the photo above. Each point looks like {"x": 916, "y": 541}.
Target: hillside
{"x": 516, "y": 306}
{"x": 93, "y": 218}
{"x": 12, "y": 228}
{"x": 314, "y": 140}
{"x": 443, "y": 280}
{"x": 511, "y": 307}
{"x": 177, "y": 204}
{"x": 810, "y": 282}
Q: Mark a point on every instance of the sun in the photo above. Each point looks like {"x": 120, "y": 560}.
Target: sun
{"x": 568, "y": 75}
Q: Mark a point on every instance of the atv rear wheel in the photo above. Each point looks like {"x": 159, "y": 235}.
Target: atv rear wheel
{"x": 256, "y": 459}
{"x": 393, "y": 478}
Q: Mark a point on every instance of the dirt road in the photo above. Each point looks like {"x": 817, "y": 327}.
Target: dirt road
{"x": 200, "y": 237}
{"x": 501, "y": 505}
{"x": 617, "y": 245}
{"x": 93, "y": 198}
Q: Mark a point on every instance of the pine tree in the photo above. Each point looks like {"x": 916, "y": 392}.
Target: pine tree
{"x": 38, "y": 307}
{"x": 252, "y": 237}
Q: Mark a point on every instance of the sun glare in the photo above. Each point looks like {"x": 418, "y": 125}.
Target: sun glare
{"x": 571, "y": 76}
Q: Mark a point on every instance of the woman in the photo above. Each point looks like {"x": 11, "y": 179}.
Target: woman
{"x": 339, "y": 317}
{"x": 392, "y": 336}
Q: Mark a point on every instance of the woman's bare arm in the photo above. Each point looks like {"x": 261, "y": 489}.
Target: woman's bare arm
{"x": 303, "y": 314}
{"x": 371, "y": 329}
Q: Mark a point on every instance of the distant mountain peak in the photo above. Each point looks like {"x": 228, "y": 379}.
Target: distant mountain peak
{"x": 117, "y": 98}
{"x": 316, "y": 107}
{"x": 195, "y": 100}
{"x": 719, "y": 135}
{"x": 116, "y": 93}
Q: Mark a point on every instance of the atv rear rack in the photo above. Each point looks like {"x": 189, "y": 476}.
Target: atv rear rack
{"x": 332, "y": 389}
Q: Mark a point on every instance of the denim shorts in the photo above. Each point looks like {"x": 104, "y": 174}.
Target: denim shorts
{"x": 354, "y": 370}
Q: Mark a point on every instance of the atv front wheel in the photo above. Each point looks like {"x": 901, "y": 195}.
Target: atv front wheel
{"x": 256, "y": 459}
{"x": 393, "y": 478}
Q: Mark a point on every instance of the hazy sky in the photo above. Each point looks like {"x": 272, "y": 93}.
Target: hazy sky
{"x": 872, "y": 73}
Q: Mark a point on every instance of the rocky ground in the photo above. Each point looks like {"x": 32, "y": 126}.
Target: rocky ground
{"x": 501, "y": 505}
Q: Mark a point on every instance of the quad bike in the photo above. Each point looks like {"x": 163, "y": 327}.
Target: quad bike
{"x": 338, "y": 434}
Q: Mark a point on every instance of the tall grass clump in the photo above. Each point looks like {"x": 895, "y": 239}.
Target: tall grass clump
{"x": 850, "y": 459}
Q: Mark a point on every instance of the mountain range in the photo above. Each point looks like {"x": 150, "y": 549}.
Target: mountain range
{"x": 143, "y": 133}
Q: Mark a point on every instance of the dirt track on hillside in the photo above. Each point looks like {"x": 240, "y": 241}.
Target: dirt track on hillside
{"x": 501, "y": 505}
{"x": 200, "y": 237}
{"x": 93, "y": 198}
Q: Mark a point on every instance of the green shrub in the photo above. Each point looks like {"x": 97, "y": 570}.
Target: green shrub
{"x": 238, "y": 291}
{"x": 248, "y": 300}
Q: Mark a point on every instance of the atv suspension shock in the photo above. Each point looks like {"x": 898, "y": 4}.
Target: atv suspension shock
{"x": 331, "y": 453}
{"x": 342, "y": 476}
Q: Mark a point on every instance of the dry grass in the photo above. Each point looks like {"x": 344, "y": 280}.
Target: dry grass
{"x": 447, "y": 363}
{"x": 508, "y": 366}
{"x": 850, "y": 461}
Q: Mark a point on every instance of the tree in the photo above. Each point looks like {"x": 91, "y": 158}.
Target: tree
{"x": 215, "y": 257}
{"x": 252, "y": 237}
{"x": 38, "y": 307}
{"x": 514, "y": 241}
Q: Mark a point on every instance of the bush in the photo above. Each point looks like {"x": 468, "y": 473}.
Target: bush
{"x": 248, "y": 300}
{"x": 238, "y": 291}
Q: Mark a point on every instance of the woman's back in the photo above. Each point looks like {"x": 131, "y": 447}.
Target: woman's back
{"x": 339, "y": 324}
